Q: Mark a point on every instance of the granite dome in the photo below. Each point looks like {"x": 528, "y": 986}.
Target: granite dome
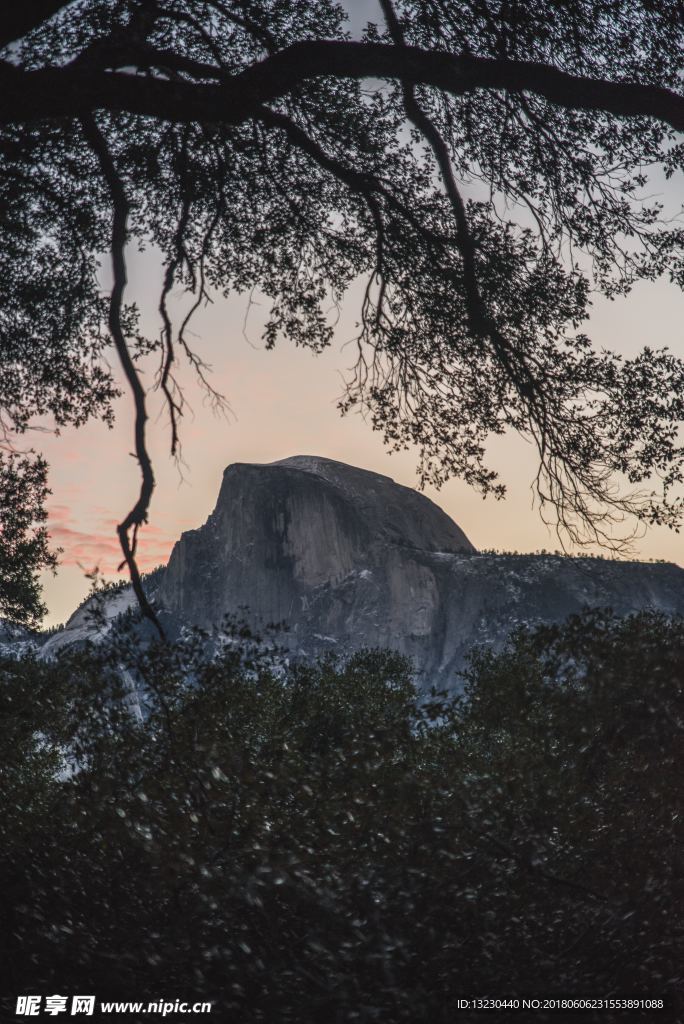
{"x": 348, "y": 559}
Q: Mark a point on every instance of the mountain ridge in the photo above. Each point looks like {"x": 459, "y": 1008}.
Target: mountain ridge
{"x": 347, "y": 558}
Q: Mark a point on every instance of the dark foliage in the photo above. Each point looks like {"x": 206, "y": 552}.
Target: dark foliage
{"x": 317, "y": 844}
{"x": 24, "y": 545}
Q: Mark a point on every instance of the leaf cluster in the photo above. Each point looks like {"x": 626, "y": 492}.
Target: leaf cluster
{"x": 24, "y": 541}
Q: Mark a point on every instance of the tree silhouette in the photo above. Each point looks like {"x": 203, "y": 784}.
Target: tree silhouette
{"x": 24, "y": 544}
{"x": 482, "y": 164}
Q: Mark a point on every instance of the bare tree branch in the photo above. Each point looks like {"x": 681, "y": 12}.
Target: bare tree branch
{"x": 128, "y": 528}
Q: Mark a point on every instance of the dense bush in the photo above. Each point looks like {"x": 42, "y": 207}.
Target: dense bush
{"x": 319, "y": 843}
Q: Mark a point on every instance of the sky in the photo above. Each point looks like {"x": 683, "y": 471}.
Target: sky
{"x": 283, "y": 403}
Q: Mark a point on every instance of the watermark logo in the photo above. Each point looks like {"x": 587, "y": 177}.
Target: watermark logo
{"x": 34, "y": 1006}
{"x": 55, "y": 1005}
{"x": 83, "y": 1004}
{"x": 30, "y": 1006}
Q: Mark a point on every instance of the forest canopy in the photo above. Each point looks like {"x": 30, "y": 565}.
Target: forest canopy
{"x": 322, "y": 842}
{"x": 484, "y": 167}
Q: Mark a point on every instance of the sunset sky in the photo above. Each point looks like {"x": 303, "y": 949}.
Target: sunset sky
{"x": 284, "y": 403}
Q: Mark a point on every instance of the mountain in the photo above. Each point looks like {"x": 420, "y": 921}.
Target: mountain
{"x": 17, "y": 641}
{"x": 96, "y": 616}
{"x": 346, "y": 558}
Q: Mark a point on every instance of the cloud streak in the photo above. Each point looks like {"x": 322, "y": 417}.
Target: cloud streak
{"x": 99, "y": 547}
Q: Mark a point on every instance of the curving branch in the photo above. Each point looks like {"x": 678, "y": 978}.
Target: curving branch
{"x": 481, "y": 324}
{"x": 128, "y": 528}
{"x": 74, "y": 91}
{"x": 166, "y": 380}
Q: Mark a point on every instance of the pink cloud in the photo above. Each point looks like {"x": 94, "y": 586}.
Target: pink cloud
{"x": 59, "y": 513}
{"x": 100, "y": 546}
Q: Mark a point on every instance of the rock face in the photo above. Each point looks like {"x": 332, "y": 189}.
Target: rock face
{"x": 349, "y": 559}
{"x": 17, "y": 641}
{"x": 332, "y": 551}
{"x": 83, "y": 625}
{"x": 97, "y": 615}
